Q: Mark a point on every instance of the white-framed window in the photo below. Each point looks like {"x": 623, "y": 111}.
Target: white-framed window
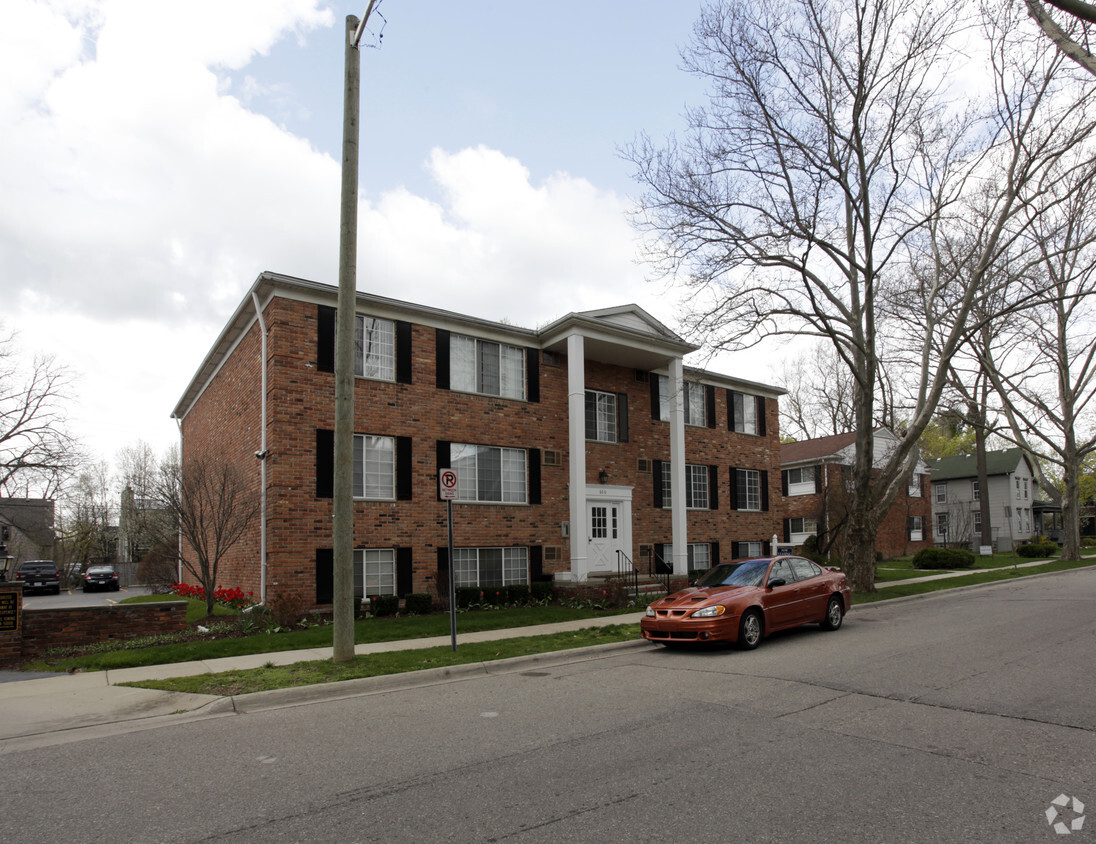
{"x": 374, "y": 572}
{"x": 700, "y": 555}
{"x": 799, "y": 528}
{"x": 975, "y": 490}
{"x": 695, "y": 402}
{"x": 917, "y": 526}
{"x": 490, "y": 566}
{"x": 941, "y": 524}
{"x": 941, "y": 491}
{"x": 374, "y": 467}
{"x": 601, "y": 416}
{"x": 489, "y": 473}
{"x": 696, "y": 486}
{"x": 745, "y": 413}
{"x": 750, "y": 549}
{"x": 374, "y": 348}
{"x": 483, "y": 366}
{"x": 977, "y": 522}
{"x": 1017, "y": 487}
{"x": 801, "y": 480}
{"x": 1025, "y": 489}
{"x": 748, "y": 489}
{"x": 914, "y": 489}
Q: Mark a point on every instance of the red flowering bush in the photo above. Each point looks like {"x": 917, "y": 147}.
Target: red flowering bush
{"x": 234, "y": 598}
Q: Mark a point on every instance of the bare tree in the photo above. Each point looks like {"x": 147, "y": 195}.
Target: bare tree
{"x": 213, "y": 506}
{"x": 829, "y": 158}
{"x": 37, "y": 452}
{"x": 86, "y": 521}
{"x": 143, "y": 520}
{"x": 1074, "y": 35}
{"x": 819, "y": 398}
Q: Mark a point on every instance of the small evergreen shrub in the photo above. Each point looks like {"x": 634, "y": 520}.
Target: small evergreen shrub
{"x": 543, "y": 590}
{"x": 517, "y": 595}
{"x": 467, "y": 596}
{"x": 943, "y": 558}
{"x": 419, "y": 603}
{"x": 1038, "y": 549}
{"x": 384, "y": 605}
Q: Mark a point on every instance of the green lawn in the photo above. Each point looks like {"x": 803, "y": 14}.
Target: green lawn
{"x": 902, "y": 568}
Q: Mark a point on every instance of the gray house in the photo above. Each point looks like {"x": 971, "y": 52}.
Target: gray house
{"x": 26, "y": 531}
{"x": 1017, "y": 511}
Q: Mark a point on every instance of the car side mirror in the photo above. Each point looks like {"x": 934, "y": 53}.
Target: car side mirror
{"x": 777, "y": 581}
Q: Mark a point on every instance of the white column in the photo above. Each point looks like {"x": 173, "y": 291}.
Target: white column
{"x": 679, "y": 534}
{"x": 576, "y": 441}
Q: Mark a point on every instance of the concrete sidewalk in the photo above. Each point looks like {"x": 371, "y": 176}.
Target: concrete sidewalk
{"x": 56, "y": 709}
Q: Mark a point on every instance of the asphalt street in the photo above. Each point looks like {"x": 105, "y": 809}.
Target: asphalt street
{"x": 955, "y": 717}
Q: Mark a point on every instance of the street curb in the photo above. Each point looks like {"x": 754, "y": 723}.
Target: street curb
{"x": 303, "y": 695}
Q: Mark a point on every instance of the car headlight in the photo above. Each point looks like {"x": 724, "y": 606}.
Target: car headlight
{"x": 650, "y": 611}
{"x": 709, "y": 612}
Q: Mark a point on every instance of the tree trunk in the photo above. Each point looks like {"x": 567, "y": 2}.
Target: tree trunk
{"x": 1071, "y": 510}
{"x": 858, "y": 557}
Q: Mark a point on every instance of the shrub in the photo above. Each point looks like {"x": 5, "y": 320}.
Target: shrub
{"x": 419, "y": 603}
{"x": 1038, "y": 549}
{"x": 517, "y": 594}
{"x": 467, "y": 596}
{"x": 286, "y": 608}
{"x": 943, "y": 558}
{"x": 381, "y": 605}
{"x": 543, "y": 590}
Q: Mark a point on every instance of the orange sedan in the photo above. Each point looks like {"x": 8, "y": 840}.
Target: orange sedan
{"x": 742, "y": 602}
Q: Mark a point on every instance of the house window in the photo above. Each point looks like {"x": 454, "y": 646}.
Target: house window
{"x": 941, "y": 493}
{"x": 745, "y": 413}
{"x": 601, "y": 416}
{"x": 1025, "y": 489}
{"x": 485, "y": 567}
{"x": 975, "y": 491}
{"x": 374, "y": 572}
{"x": 482, "y": 366}
{"x": 978, "y": 522}
{"x": 800, "y": 528}
{"x": 696, "y": 486}
{"x": 695, "y": 402}
{"x": 489, "y": 474}
{"x": 917, "y": 525}
{"x": 801, "y": 481}
{"x": 748, "y": 483}
{"x": 374, "y": 467}
{"x": 374, "y": 348}
{"x": 700, "y": 555}
{"x": 941, "y": 524}
{"x": 748, "y": 549}
{"x": 914, "y": 489}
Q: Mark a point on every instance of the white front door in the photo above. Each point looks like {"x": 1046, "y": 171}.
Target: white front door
{"x": 603, "y": 532}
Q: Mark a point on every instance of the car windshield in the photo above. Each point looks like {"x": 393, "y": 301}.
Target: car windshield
{"x": 749, "y": 573}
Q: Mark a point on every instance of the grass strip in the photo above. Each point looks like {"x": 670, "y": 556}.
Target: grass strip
{"x": 395, "y": 662}
{"x": 972, "y": 579}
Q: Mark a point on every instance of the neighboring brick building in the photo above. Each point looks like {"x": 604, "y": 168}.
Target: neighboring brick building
{"x": 812, "y": 482}
{"x": 562, "y": 438}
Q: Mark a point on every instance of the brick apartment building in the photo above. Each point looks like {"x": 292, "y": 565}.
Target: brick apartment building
{"x": 581, "y": 448}
{"x": 813, "y": 486}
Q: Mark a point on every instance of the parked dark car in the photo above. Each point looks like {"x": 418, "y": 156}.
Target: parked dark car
{"x": 101, "y": 577}
{"x": 39, "y": 576}
{"x": 742, "y": 602}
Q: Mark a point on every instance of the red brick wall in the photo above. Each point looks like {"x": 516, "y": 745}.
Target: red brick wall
{"x": 73, "y": 626}
{"x": 301, "y": 400}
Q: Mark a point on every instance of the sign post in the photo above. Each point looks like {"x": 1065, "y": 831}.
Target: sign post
{"x": 447, "y": 489}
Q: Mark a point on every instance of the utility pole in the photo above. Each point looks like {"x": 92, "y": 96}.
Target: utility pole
{"x": 343, "y": 493}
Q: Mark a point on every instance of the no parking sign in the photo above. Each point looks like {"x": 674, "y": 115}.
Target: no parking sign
{"x": 447, "y": 484}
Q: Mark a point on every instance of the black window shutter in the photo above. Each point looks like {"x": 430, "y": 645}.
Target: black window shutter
{"x": 442, "y": 579}
{"x": 766, "y": 547}
{"x": 736, "y": 550}
{"x": 591, "y": 416}
{"x": 403, "y": 352}
{"x": 787, "y": 530}
{"x": 444, "y": 458}
{"x": 655, "y": 380}
{"x": 325, "y": 338}
{"x": 532, "y": 375}
{"x": 656, "y": 475}
{"x": 818, "y": 479}
{"x": 734, "y": 489}
{"x": 534, "y": 476}
{"x": 622, "y": 417}
{"x": 536, "y": 563}
{"x": 404, "y": 477}
{"x": 325, "y": 575}
{"x": 761, "y": 416}
{"x": 662, "y": 565}
{"x": 713, "y": 487}
{"x": 709, "y": 403}
{"x": 784, "y": 482}
{"x": 715, "y": 553}
{"x": 325, "y": 463}
{"x": 730, "y": 410}
{"x": 404, "y": 573}
{"x": 441, "y": 340}
{"x": 909, "y": 527}
{"x": 764, "y": 489}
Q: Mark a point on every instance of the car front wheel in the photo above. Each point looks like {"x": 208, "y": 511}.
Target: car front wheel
{"x": 749, "y": 630}
{"x": 835, "y": 614}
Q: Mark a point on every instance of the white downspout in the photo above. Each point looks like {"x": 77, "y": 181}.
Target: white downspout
{"x": 262, "y": 455}
{"x": 179, "y": 542}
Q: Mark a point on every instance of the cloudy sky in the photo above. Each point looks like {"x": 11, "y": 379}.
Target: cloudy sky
{"x": 156, "y": 157}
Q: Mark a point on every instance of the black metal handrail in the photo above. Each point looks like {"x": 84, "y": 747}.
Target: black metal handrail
{"x": 627, "y": 572}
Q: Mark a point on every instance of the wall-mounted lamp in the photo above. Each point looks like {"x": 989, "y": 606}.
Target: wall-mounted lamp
{"x": 602, "y": 477}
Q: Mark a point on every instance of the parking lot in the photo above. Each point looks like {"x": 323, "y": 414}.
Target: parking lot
{"x": 76, "y": 597}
